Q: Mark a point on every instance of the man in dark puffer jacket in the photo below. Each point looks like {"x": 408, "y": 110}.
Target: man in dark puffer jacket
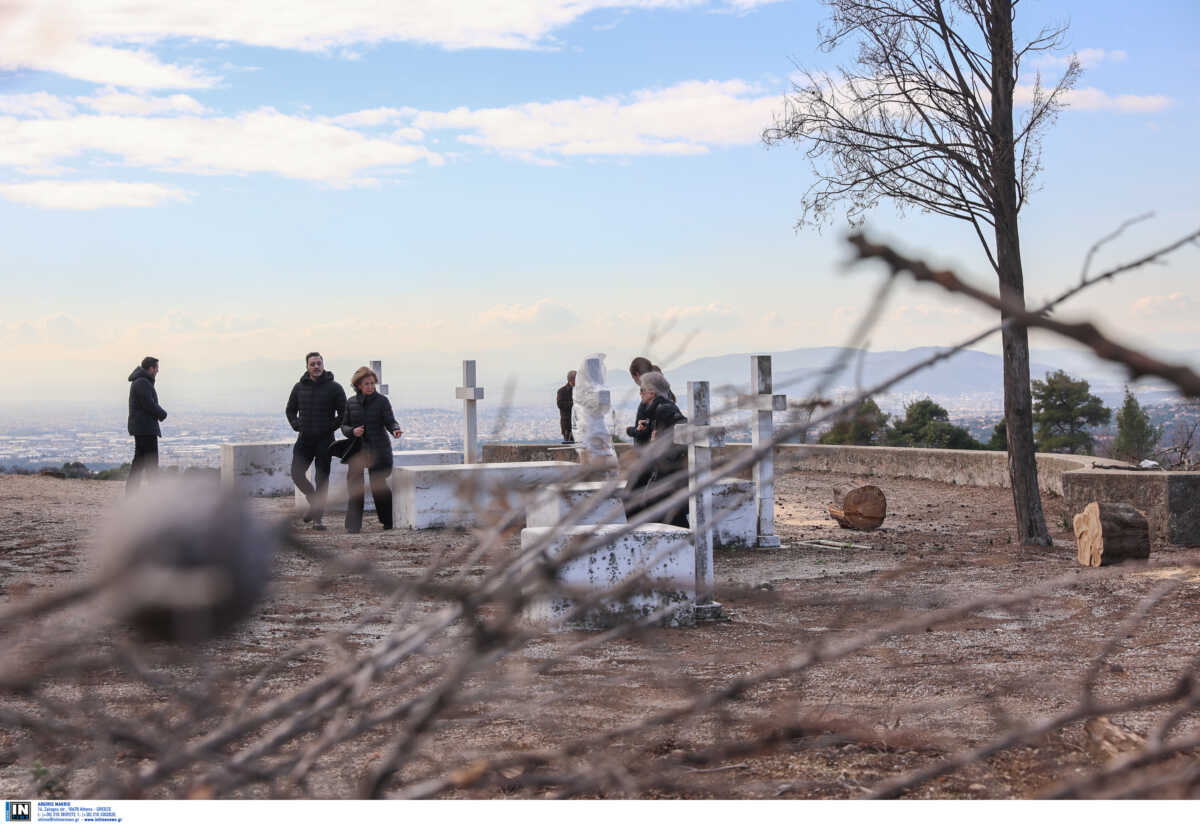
{"x": 315, "y": 409}
{"x": 144, "y": 415}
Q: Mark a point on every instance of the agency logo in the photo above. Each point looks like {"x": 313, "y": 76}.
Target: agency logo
{"x": 18, "y": 811}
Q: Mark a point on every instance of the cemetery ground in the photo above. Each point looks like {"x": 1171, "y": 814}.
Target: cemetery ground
{"x": 833, "y": 730}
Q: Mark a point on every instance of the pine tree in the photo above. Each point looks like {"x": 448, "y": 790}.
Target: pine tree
{"x": 1136, "y": 438}
{"x": 1063, "y": 409}
{"x": 863, "y": 427}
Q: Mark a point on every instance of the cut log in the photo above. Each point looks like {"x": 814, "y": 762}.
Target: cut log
{"x": 1108, "y": 533}
{"x": 862, "y": 508}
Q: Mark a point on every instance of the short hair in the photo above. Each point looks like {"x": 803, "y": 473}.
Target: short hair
{"x": 149, "y": 362}
{"x": 571, "y": 375}
{"x": 312, "y": 354}
{"x": 640, "y": 366}
{"x": 361, "y": 373}
{"x": 657, "y": 383}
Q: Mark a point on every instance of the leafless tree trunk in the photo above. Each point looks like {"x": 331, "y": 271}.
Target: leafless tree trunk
{"x": 1018, "y": 402}
{"x": 927, "y": 122}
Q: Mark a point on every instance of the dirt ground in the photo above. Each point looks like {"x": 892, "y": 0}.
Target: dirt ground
{"x": 840, "y": 728}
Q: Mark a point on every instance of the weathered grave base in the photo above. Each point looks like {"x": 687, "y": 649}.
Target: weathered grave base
{"x": 436, "y": 497}
{"x": 662, "y": 555}
{"x": 557, "y": 500}
{"x": 259, "y": 470}
{"x": 337, "y": 476}
{"x": 733, "y": 511}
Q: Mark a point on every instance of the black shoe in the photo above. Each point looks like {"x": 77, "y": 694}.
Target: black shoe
{"x": 318, "y": 527}
{"x": 350, "y": 531}
{"x": 308, "y": 515}
{"x": 387, "y": 526}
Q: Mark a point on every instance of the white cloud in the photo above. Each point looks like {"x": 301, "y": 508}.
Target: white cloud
{"x": 111, "y": 101}
{"x": 89, "y": 194}
{"x": 1176, "y": 304}
{"x": 61, "y": 38}
{"x": 371, "y": 117}
{"x": 103, "y": 41}
{"x": 263, "y": 140}
{"x": 1091, "y": 99}
{"x": 1088, "y": 58}
{"x": 686, "y": 119}
{"x": 37, "y": 104}
{"x": 545, "y": 314}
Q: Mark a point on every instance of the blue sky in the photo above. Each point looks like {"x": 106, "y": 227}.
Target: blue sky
{"x": 228, "y": 185}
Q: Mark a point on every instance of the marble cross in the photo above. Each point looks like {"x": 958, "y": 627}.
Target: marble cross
{"x": 700, "y": 437}
{"x": 470, "y": 395}
{"x": 377, "y": 368}
{"x": 763, "y": 405}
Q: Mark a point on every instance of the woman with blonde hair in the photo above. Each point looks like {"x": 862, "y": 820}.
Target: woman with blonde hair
{"x": 369, "y": 418}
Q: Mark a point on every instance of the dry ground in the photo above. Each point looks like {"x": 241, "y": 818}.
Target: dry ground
{"x": 842, "y": 727}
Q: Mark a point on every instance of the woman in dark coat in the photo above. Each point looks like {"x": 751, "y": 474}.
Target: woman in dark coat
{"x": 668, "y": 473}
{"x": 369, "y": 417}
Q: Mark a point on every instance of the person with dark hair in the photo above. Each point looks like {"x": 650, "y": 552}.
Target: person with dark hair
{"x": 641, "y": 434}
{"x": 369, "y": 417}
{"x": 566, "y": 400}
{"x": 668, "y": 473}
{"x": 315, "y": 409}
{"x": 144, "y": 417}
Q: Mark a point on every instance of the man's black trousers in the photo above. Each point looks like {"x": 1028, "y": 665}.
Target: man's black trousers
{"x": 305, "y": 452}
{"x": 145, "y": 460}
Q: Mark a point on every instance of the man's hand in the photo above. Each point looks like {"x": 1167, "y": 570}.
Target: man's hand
{"x": 642, "y": 424}
{"x": 397, "y": 432}
{"x": 358, "y": 431}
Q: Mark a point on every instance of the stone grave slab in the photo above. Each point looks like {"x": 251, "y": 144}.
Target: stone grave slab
{"x": 400, "y": 457}
{"x": 259, "y": 470}
{"x": 663, "y": 554}
{"x": 555, "y": 501}
{"x": 435, "y": 497}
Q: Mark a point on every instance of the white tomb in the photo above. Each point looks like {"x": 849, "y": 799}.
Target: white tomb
{"x": 734, "y": 522}
{"x": 555, "y": 502}
{"x": 336, "y": 496}
{"x": 662, "y": 555}
{"x": 735, "y": 525}
{"x": 259, "y": 470}
{"x": 433, "y": 497}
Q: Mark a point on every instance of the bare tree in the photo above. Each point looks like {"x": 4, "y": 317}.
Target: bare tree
{"x": 926, "y": 121}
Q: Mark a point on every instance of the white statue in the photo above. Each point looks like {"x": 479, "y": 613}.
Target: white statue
{"x": 593, "y": 400}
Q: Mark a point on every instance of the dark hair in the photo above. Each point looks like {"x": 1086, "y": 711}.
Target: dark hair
{"x": 309, "y": 355}
{"x": 640, "y": 366}
{"x": 149, "y": 362}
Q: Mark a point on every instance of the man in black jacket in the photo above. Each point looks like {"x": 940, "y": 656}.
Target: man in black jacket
{"x": 144, "y": 415}
{"x": 315, "y": 409}
{"x": 566, "y": 400}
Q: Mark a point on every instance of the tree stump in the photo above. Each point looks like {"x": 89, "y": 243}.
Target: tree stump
{"x": 1108, "y": 533}
{"x": 862, "y": 508}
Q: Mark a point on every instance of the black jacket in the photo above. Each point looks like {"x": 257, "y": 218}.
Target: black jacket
{"x": 642, "y": 437}
{"x": 664, "y": 415}
{"x": 144, "y": 411}
{"x": 374, "y": 413}
{"x": 566, "y": 399}
{"x": 316, "y": 409}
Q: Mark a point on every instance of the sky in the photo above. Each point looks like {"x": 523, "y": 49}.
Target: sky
{"x": 229, "y": 185}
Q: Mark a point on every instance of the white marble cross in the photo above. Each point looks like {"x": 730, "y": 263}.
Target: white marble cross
{"x": 470, "y": 395}
{"x": 701, "y": 437}
{"x": 377, "y": 368}
{"x": 762, "y": 429}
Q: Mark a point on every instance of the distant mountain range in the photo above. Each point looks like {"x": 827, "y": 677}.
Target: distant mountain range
{"x": 968, "y": 380}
